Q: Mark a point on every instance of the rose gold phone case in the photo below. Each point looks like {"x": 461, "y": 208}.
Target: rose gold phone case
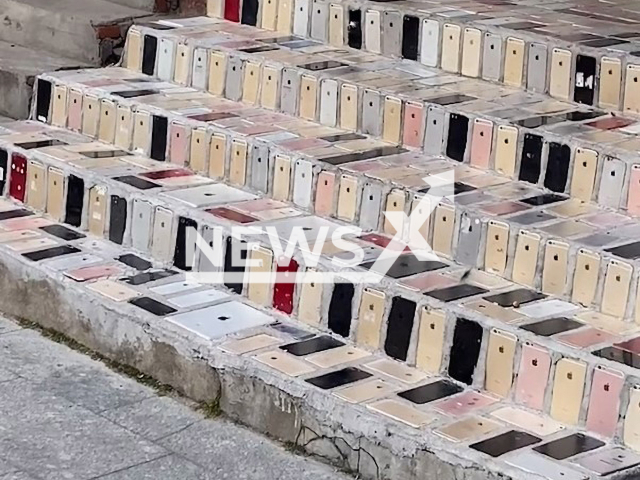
{"x": 506, "y": 150}
{"x": 270, "y": 86}
{"x": 324, "y": 194}
{"x": 481, "y": 142}
{"x": 395, "y": 203}
{"x": 413, "y": 124}
{"x": 74, "y": 120}
{"x": 554, "y": 270}
{"x": 631, "y": 428}
{"x": 610, "y": 82}
{"x": 585, "y": 166}
{"x": 615, "y": 293}
{"x": 450, "y": 48}
{"x": 533, "y": 376}
{"x": 585, "y": 279}
{"x": 632, "y": 89}
{"x": 495, "y": 258}
{"x": 217, "y": 72}
{"x": 281, "y": 178}
{"x": 118, "y": 292}
{"x": 238, "y": 162}
{"x": 217, "y": 155}
{"x": 179, "y": 143}
{"x": 55, "y": 194}
{"x": 633, "y": 199}
{"x": 526, "y": 258}
{"x": 310, "y": 303}
{"x": 471, "y": 52}
{"x": 392, "y": 119}
{"x": 444, "y": 221}
{"x": 90, "y": 115}
{"x": 308, "y": 96}
{"x": 568, "y": 387}
{"x": 347, "y": 197}
{"x": 604, "y": 401}
{"x": 501, "y": 352}
{"x": 60, "y": 97}
{"x": 198, "y": 151}
{"x": 514, "y": 62}
{"x": 251, "y": 82}
{"x": 258, "y": 290}
{"x": 36, "y": 186}
{"x": 560, "y": 76}
{"x": 431, "y": 337}
{"x": 349, "y": 107}
{"x": 91, "y": 273}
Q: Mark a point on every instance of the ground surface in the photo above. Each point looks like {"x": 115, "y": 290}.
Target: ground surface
{"x": 64, "y": 416}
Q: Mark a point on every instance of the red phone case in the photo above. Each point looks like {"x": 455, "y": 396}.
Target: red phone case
{"x": 232, "y": 10}
{"x": 284, "y": 286}
{"x": 232, "y": 215}
{"x": 171, "y": 173}
{"x": 18, "y": 178}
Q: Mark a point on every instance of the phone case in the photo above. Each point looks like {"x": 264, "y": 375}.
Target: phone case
{"x": 492, "y": 57}
{"x": 604, "y": 401}
{"x": 107, "y": 130}
{"x": 284, "y": 288}
{"x": 74, "y": 120}
{"x": 399, "y": 328}
{"x": 183, "y": 64}
{"x": 284, "y": 22}
{"x": 269, "y": 95}
{"x": 537, "y": 68}
{"x": 200, "y": 69}
{"x": 198, "y": 150}
{"x": 558, "y": 162}
{"x": 568, "y": 387}
{"x": 632, "y": 89}
{"x": 465, "y": 350}
{"x": 434, "y": 131}
{"x": 258, "y": 290}
{"x": 117, "y": 219}
{"x": 531, "y": 160}
{"x": 161, "y": 245}
{"x": 55, "y": 194}
{"x": 500, "y": 356}
{"x": 585, "y": 166}
{"x": 615, "y": 293}
{"x": 506, "y": 150}
{"x": 91, "y": 273}
{"x": 179, "y": 145}
{"x": 36, "y": 186}
{"x": 166, "y": 56}
{"x": 611, "y": 182}
{"x": 471, "y": 52}
{"x": 149, "y": 52}
{"x": 328, "y": 102}
{"x": 444, "y": 220}
{"x": 349, "y": 107}
{"x": 585, "y": 278}
{"x": 217, "y": 155}
{"x": 281, "y": 178}
{"x": 249, "y": 12}
{"x": 413, "y": 126}
{"x": 97, "y": 210}
{"x": 269, "y": 14}
{"x": 233, "y": 79}
{"x": 301, "y": 17}
{"x": 238, "y": 162}
{"x": 260, "y": 167}
{"x": 141, "y": 225}
{"x": 217, "y": 72}
{"x": 430, "y": 45}
{"x": 370, "y": 207}
{"x": 610, "y": 83}
{"x": 631, "y": 426}
{"x": 395, "y": 203}
{"x": 391, "y": 32}
{"x": 410, "y": 37}
{"x": 339, "y": 314}
{"x": 560, "y": 75}
{"x": 450, "y": 48}
{"x": 336, "y": 25}
{"x": 468, "y": 428}
{"x": 123, "y": 127}
{"x": 289, "y": 91}
{"x": 370, "y": 318}
{"x": 141, "y": 132}
{"x": 324, "y": 194}
{"x": 372, "y": 31}
{"x": 391, "y": 121}
{"x": 585, "y": 79}
{"x": 633, "y": 199}
{"x": 251, "y": 84}
{"x": 533, "y": 375}
{"x": 319, "y": 20}
{"x": 431, "y": 335}
{"x": 526, "y": 258}
{"x": 495, "y": 258}
{"x": 59, "y": 107}
{"x": 481, "y": 142}
{"x": 303, "y": 183}
{"x": 310, "y": 302}
{"x": 134, "y": 51}
{"x": 371, "y": 108}
{"x": 457, "y": 136}
{"x": 18, "y": 177}
{"x": 347, "y": 198}
{"x": 308, "y": 96}
{"x": 514, "y": 62}
{"x": 554, "y": 270}
{"x": 90, "y": 115}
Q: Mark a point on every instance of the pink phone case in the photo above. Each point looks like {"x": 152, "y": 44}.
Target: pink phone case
{"x": 463, "y": 403}
{"x": 413, "y": 127}
{"x": 179, "y": 144}
{"x": 633, "y": 200}
{"x": 324, "y": 193}
{"x": 586, "y": 337}
{"x": 533, "y": 376}
{"x": 481, "y": 142}
{"x": 604, "y": 402}
{"x": 91, "y": 273}
{"x": 74, "y": 114}
{"x": 25, "y": 223}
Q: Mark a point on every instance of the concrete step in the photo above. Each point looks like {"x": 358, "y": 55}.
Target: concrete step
{"x": 146, "y": 5}
{"x": 60, "y": 27}
{"x": 18, "y": 67}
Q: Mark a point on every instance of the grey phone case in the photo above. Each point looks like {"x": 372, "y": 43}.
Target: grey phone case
{"x": 370, "y": 209}
{"x": 260, "y": 167}
{"x": 492, "y": 57}
{"x": 434, "y": 131}
{"x": 289, "y": 91}
{"x": 469, "y": 240}
{"x": 391, "y": 33}
{"x": 537, "y": 67}
{"x": 371, "y": 103}
{"x": 141, "y": 225}
{"x": 319, "y": 20}
{"x": 233, "y": 84}
{"x": 612, "y": 182}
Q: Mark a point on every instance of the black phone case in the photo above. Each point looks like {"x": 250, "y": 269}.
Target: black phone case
{"x": 62, "y": 232}
{"x": 52, "y": 252}
{"x": 75, "y": 201}
{"x": 354, "y": 29}
{"x": 4, "y": 172}
{"x": 410, "y": 37}
{"x": 456, "y": 292}
{"x": 43, "y": 100}
{"x": 629, "y": 251}
{"x": 552, "y": 326}
{"x": 117, "y": 219}
{"x": 134, "y": 261}
{"x": 516, "y": 297}
{"x": 531, "y": 158}
{"x": 182, "y": 257}
{"x": 250, "y": 12}
{"x": 313, "y": 345}
{"x": 457, "y": 136}
{"x": 152, "y": 306}
{"x": 142, "y": 278}
{"x": 137, "y": 182}
{"x": 431, "y": 392}
{"x": 585, "y": 79}
{"x": 17, "y": 213}
{"x": 149, "y": 55}
{"x": 400, "y": 325}
{"x": 160, "y": 127}
{"x": 235, "y": 270}
{"x": 569, "y": 446}
{"x": 467, "y": 339}
{"x": 558, "y": 161}
{"x": 337, "y": 379}
{"x": 340, "y": 309}
{"x": 504, "y": 443}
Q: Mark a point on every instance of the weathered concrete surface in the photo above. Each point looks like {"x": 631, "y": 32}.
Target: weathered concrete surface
{"x": 62, "y": 27}
{"x": 18, "y": 68}
{"x": 65, "y": 416}
{"x": 147, "y": 5}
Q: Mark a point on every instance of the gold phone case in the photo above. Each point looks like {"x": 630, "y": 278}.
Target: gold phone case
{"x": 583, "y": 179}
{"x": 610, "y": 82}
{"x": 499, "y": 369}
{"x": 395, "y": 203}
{"x": 431, "y": 340}
{"x": 514, "y": 62}
{"x": 183, "y": 61}
{"x": 585, "y": 279}
{"x": 260, "y": 291}
{"x": 443, "y": 228}
{"x": 161, "y": 241}
{"x": 632, "y": 89}
{"x": 36, "y": 186}
{"x": 285, "y": 15}
{"x": 90, "y": 115}
{"x": 198, "y": 151}
{"x": 631, "y": 430}
{"x": 97, "y": 210}
{"x": 238, "y": 162}
{"x": 349, "y": 107}
{"x": 134, "y": 50}
{"x": 217, "y": 72}
{"x": 270, "y": 87}
{"x": 370, "y": 317}
{"x": 141, "y": 129}
{"x": 124, "y": 124}
{"x": 107, "y": 130}
{"x": 568, "y": 387}
{"x": 392, "y": 120}
{"x": 336, "y": 25}
{"x": 468, "y": 428}
{"x": 450, "y": 48}
{"x": 615, "y": 293}
{"x": 347, "y": 198}
{"x": 281, "y": 178}
{"x": 251, "y": 84}
{"x": 217, "y": 155}
{"x": 55, "y": 194}
{"x": 495, "y": 257}
{"x": 506, "y": 150}
{"x": 60, "y": 97}
{"x": 554, "y": 270}
{"x": 308, "y": 96}
{"x": 310, "y": 303}
{"x": 269, "y": 14}
{"x": 560, "y": 76}
{"x": 526, "y": 258}
{"x": 471, "y": 52}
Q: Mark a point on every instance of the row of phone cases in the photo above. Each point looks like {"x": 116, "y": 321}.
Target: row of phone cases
{"x": 455, "y": 48}
{"x": 480, "y": 142}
